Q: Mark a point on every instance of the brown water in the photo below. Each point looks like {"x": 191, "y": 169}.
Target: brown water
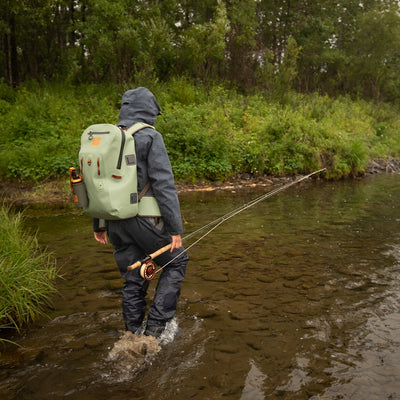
{"x": 295, "y": 298}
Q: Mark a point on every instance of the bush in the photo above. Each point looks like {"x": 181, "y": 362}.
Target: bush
{"x": 43, "y": 127}
{"x": 196, "y": 144}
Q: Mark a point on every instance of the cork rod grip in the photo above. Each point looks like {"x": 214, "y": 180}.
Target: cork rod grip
{"x": 137, "y": 264}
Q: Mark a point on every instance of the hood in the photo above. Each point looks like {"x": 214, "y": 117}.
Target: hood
{"x": 138, "y": 105}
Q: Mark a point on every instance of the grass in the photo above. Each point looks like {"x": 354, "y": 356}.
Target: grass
{"x": 27, "y": 273}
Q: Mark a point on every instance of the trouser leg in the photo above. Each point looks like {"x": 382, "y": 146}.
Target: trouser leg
{"x": 133, "y": 301}
{"x": 134, "y": 290}
{"x": 168, "y": 288}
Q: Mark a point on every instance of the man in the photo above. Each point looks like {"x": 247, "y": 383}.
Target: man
{"x": 136, "y": 237}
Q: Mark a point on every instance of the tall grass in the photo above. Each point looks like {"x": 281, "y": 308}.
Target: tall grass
{"x": 26, "y": 273}
{"x": 210, "y": 132}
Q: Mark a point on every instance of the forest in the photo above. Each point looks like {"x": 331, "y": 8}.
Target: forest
{"x": 333, "y": 47}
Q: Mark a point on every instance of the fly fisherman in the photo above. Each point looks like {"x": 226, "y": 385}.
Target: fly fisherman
{"x": 135, "y": 238}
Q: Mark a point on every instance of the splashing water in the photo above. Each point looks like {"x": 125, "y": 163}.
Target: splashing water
{"x": 134, "y": 350}
{"x": 171, "y": 331}
{"x": 130, "y": 354}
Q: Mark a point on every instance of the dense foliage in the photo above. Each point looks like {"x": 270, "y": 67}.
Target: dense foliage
{"x": 26, "y": 273}
{"x": 210, "y": 133}
{"x": 335, "y": 47}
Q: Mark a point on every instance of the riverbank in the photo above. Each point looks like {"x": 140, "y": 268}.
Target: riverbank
{"x": 57, "y": 192}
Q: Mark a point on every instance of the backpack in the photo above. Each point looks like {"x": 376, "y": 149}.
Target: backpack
{"x": 109, "y": 171}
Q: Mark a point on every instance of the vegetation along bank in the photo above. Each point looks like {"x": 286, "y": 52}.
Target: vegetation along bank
{"x": 211, "y": 133}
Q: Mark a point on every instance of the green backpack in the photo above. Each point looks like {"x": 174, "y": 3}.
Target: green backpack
{"x": 109, "y": 170}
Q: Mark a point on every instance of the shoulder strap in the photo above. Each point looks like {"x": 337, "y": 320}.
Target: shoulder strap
{"x": 137, "y": 127}
{"x": 144, "y": 190}
{"x": 132, "y": 130}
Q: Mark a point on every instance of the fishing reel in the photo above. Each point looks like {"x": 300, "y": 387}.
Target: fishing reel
{"x": 148, "y": 270}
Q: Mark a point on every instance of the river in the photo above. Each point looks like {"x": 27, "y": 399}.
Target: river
{"x": 294, "y": 298}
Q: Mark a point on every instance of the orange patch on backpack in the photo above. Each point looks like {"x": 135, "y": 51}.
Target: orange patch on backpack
{"x": 96, "y": 141}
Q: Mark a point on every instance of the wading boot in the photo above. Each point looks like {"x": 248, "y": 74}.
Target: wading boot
{"x": 155, "y": 331}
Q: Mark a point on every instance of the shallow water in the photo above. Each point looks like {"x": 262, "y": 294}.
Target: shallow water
{"x": 295, "y": 298}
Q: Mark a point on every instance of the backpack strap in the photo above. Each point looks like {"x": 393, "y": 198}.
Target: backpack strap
{"x": 144, "y": 191}
{"x": 132, "y": 130}
{"x": 137, "y": 127}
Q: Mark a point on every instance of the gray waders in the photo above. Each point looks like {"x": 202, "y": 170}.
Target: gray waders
{"x": 133, "y": 239}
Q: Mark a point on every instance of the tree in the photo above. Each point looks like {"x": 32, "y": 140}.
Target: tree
{"x": 241, "y": 41}
{"x": 202, "y": 51}
{"x": 341, "y": 46}
{"x": 374, "y": 54}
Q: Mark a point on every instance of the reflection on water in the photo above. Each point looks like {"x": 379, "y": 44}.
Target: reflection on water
{"x": 295, "y": 298}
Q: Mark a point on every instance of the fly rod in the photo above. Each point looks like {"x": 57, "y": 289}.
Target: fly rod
{"x": 148, "y": 268}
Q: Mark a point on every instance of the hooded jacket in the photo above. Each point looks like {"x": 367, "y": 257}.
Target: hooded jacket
{"x": 153, "y": 165}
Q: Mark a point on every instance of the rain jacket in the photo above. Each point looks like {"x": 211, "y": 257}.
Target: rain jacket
{"x": 153, "y": 165}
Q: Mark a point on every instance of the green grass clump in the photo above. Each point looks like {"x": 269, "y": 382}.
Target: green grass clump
{"x": 26, "y": 273}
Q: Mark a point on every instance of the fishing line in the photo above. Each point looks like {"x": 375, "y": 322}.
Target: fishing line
{"x": 233, "y": 213}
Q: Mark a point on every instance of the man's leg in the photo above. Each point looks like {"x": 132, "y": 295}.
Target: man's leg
{"x": 133, "y": 300}
{"x": 126, "y": 252}
{"x": 168, "y": 291}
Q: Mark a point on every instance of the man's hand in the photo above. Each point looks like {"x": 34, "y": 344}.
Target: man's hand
{"x": 176, "y": 242}
{"x": 101, "y": 237}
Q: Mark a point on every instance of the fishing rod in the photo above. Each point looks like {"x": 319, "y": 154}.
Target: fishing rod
{"x": 148, "y": 267}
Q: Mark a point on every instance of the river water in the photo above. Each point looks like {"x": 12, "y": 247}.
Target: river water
{"x": 295, "y": 298}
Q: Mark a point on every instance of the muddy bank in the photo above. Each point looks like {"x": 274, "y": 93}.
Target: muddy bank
{"x": 57, "y": 193}
{"x": 54, "y": 193}
{"x": 383, "y": 165}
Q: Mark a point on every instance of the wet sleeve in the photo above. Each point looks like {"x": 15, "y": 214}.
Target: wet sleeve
{"x": 163, "y": 186}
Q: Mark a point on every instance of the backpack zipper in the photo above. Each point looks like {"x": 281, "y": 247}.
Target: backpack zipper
{"x": 91, "y": 133}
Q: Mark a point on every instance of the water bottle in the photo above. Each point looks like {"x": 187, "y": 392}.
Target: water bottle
{"x": 78, "y": 189}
